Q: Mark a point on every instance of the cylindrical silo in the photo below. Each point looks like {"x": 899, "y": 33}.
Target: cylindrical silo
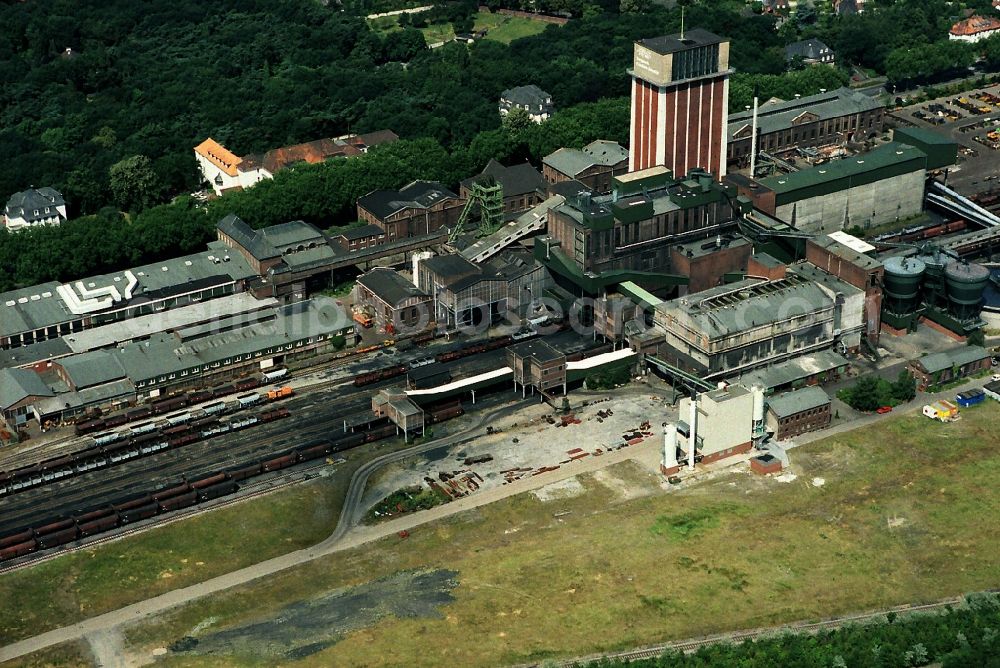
{"x": 901, "y": 284}
{"x": 758, "y": 410}
{"x": 965, "y": 284}
{"x": 933, "y": 291}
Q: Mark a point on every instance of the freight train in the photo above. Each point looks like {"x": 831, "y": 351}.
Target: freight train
{"x": 177, "y": 402}
{"x": 448, "y": 356}
{"x": 138, "y": 441}
{"x": 921, "y": 232}
{"x": 54, "y": 532}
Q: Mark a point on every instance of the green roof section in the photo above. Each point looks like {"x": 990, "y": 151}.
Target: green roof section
{"x": 555, "y": 260}
{"x": 892, "y": 159}
{"x": 638, "y": 295}
{"x": 941, "y": 150}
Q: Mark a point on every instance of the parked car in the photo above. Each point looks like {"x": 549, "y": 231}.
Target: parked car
{"x": 882, "y": 410}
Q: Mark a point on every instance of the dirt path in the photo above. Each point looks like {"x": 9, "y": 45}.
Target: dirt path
{"x": 108, "y": 648}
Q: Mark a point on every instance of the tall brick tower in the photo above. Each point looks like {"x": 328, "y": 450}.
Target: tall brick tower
{"x": 680, "y": 98}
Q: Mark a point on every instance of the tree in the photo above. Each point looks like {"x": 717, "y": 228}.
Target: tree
{"x": 904, "y": 388}
{"x": 516, "y": 121}
{"x": 133, "y": 183}
{"x": 633, "y": 6}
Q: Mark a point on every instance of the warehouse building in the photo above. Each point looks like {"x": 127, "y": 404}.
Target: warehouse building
{"x": 595, "y": 241}
{"x": 734, "y": 328}
{"x": 830, "y": 117}
{"x": 52, "y": 310}
{"x": 466, "y": 294}
{"x": 595, "y": 165}
{"x": 396, "y": 304}
{"x": 937, "y": 368}
{"x": 798, "y": 412}
{"x": 195, "y": 356}
{"x": 419, "y": 208}
{"x": 881, "y": 186}
{"x": 20, "y": 389}
{"x": 294, "y": 257}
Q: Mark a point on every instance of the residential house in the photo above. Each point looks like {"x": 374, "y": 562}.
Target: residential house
{"x": 535, "y": 101}
{"x": 809, "y": 52}
{"x": 32, "y": 207}
{"x": 974, "y": 29}
{"x": 224, "y": 170}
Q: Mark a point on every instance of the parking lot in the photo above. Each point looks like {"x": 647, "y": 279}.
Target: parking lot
{"x": 971, "y": 119}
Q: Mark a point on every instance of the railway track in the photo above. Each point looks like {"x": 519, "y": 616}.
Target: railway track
{"x": 316, "y": 415}
{"x": 693, "y": 644}
{"x": 249, "y": 491}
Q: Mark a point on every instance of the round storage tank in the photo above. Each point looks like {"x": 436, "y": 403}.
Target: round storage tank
{"x": 933, "y": 289}
{"x": 966, "y": 282}
{"x": 901, "y": 284}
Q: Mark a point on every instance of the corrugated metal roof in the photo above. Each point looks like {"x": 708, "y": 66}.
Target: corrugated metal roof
{"x": 796, "y": 401}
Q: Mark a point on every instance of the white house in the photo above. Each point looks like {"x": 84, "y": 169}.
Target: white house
{"x": 35, "y": 206}
{"x": 974, "y": 29}
{"x": 531, "y": 98}
{"x": 225, "y": 170}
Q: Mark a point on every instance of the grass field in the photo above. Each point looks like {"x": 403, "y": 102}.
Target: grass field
{"x": 895, "y": 513}
{"x": 89, "y": 582}
{"x": 67, "y": 655}
{"x": 500, "y": 28}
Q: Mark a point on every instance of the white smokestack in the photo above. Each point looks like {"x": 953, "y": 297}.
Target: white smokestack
{"x": 692, "y": 430}
{"x": 417, "y": 257}
{"x": 758, "y": 411}
{"x": 670, "y": 446}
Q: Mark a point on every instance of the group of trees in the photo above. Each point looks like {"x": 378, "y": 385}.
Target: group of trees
{"x": 961, "y": 637}
{"x": 871, "y": 392}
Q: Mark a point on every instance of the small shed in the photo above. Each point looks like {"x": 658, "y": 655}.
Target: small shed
{"x": 765, "y": 464}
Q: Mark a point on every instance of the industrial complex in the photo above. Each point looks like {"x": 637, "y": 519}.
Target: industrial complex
{"x": 744, "y": 261}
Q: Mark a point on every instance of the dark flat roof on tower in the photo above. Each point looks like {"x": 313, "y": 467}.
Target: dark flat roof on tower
{"x": 672, "y": 43}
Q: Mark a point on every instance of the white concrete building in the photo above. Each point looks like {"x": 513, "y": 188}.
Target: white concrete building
{"x": 32, "y": 207}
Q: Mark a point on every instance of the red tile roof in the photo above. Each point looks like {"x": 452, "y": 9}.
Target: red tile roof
{"x": 975, "y": 25}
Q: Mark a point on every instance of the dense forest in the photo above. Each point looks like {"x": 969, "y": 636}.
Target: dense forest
{"x": 105, "y": 100}
{"x": 966, "y": 637}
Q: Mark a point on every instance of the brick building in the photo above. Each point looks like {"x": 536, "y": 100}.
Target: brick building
{"x": 421, "y": 207}
{"x": 394, "y": 301}
{"x": 537, "y": 365}
{"x": 798, "y": 412}
{"x": 938, "y": 368}
{"x": 523, "y": 187}
{"x": 848, "y": 258}
{"x": 680, "y": 102}
{"x": 830, "y": 117}
{"x": 634, "y": 229}
{"x": 595, "y": 165}
{"x": 359, "y": 238}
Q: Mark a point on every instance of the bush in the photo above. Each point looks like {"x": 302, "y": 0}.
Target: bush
{"x": 608, "y": 378}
